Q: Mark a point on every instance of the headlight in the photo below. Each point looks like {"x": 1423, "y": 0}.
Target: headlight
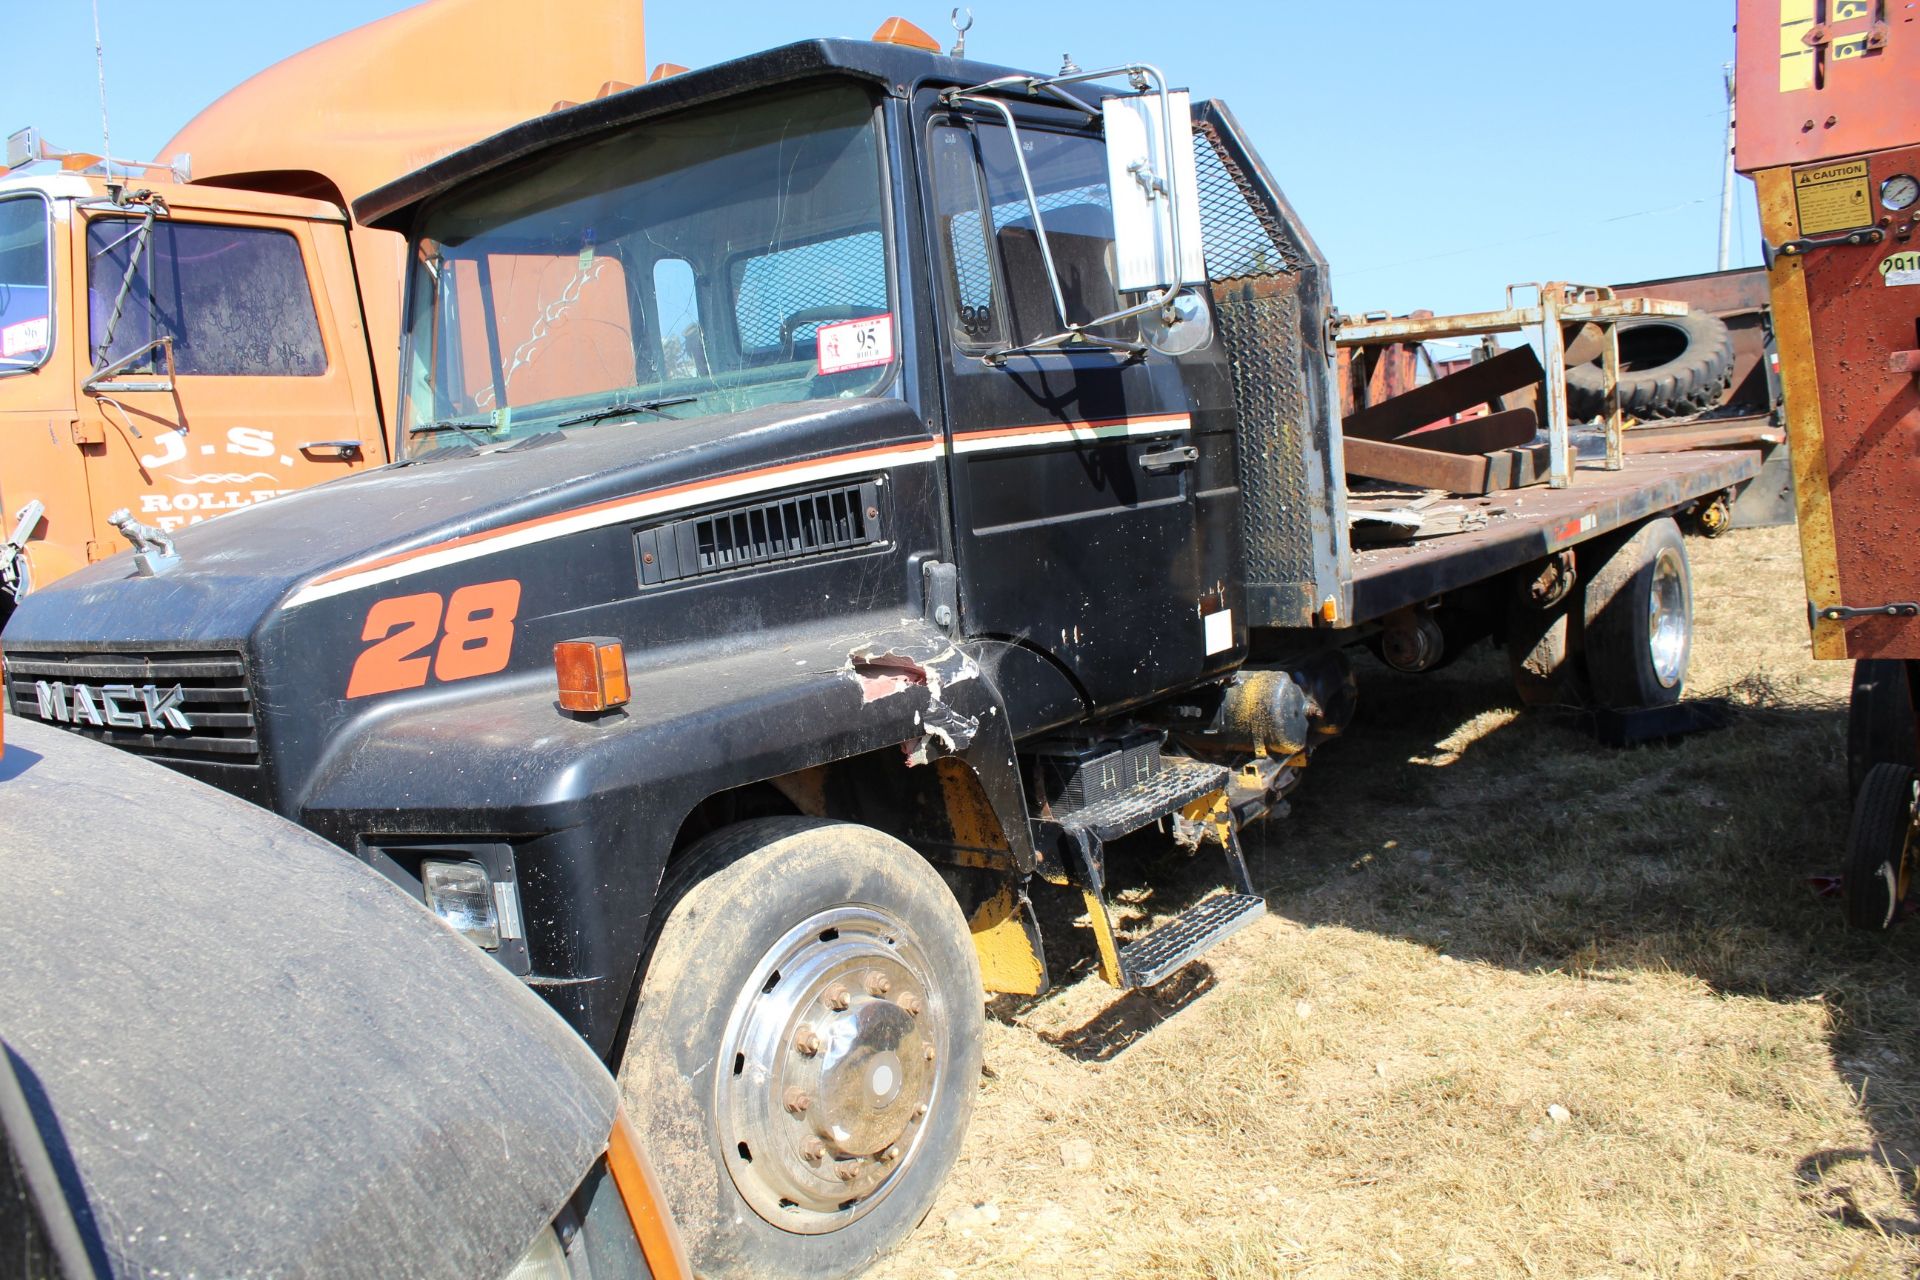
{"x": 460, "y": 894}
{"x": 543, "y": 1260}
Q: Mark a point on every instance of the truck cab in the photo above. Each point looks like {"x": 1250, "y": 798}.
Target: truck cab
{"x": 839, "y": 490}
{"x": 171, "y": 350}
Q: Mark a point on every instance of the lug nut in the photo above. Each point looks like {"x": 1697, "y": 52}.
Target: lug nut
{"x": 878, "y": 984}
{"x": 848, "y": 1170}
{"x": 891, "y": 1154}
{"x": 910, "y": 1002}
{"x": 807, "y": 1041}
{"x": 813, "y": 1151}
{"x": 928, "y": 1053}
{"x": 836, "y": 997}
{"x": 920, "y": 1111}
{"x": 797, "y": 1099}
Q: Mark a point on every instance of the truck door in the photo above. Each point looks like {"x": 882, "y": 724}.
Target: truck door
{"x": 1093, "y": 490}
{"x": 270, "y": 389}
{"x": 39, "y": 460}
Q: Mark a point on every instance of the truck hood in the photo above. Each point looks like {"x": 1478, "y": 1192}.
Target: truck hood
{"x": 237, "y": 569}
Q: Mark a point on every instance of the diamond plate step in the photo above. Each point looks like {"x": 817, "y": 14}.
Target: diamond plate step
{"x": 1147, "y": 960}
{"x": 1177, "y": 782}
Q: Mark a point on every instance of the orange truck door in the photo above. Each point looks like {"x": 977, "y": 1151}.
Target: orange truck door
{"x": 270, "y": 387}
{"x": 40, "y": 459}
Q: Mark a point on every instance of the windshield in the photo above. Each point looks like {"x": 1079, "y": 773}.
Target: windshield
{"x": 26, "y": 302}
{"x": 711, "y": 262}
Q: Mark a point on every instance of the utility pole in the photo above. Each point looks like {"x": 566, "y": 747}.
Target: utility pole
{"x": 1726, "y": 175}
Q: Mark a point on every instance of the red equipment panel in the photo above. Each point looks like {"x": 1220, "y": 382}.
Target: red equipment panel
{"x": 1817, "y": 79}
{"x": 1847, "y": 319}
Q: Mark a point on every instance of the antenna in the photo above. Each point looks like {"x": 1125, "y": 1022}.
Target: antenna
{"x": 100, "y": 65}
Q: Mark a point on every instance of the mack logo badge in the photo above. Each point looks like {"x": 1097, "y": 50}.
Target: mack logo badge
{"x": 112, "y": 706}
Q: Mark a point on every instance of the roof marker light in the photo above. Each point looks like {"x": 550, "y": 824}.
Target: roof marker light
{"x": 900, "y": 31}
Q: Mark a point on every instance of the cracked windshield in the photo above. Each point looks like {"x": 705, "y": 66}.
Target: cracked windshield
{"x": 707, "y": 263}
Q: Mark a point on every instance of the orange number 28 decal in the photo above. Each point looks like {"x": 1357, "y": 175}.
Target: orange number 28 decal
{"x": 477, "y": 640}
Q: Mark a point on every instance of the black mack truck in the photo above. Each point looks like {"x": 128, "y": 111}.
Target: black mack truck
{"x": 838, "y": 489}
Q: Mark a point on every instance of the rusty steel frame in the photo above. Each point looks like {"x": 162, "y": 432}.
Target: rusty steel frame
{"x": 1556, "y": 303}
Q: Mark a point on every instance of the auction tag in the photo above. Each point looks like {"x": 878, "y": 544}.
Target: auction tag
{"x": 855, "y": 344}
{"x": 1901, "y": 268}
{"x": 28, "y": 335}
{"x": 1832, "y": 197}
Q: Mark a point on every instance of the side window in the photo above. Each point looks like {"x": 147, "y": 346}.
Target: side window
{"x": 26, "y": 303}
{"x": 1069, "y": 173}
{"x": 676, "y": 300}
{"x": 781, "y": 298}
{"x": 234, "y": 300}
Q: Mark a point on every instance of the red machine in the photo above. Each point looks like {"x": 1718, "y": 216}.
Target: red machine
{"x": 1828, "y": 127}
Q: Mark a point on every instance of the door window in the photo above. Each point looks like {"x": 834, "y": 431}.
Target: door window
{"x": 997, "y": 286}
{"x": 26, "y": 301}
{"x": 234, "y": 300}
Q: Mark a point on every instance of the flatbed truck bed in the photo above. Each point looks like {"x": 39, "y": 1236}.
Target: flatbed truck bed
{"x": 1527, "y": 524}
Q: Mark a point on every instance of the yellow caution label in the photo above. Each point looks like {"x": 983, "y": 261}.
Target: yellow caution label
{"x": 1845, "y": 9}
{"x": 1832, "y": 197}
{"x": 1850, "y": 47}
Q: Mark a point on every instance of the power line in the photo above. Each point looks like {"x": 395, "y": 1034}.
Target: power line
{"x": 1543, "y": 235}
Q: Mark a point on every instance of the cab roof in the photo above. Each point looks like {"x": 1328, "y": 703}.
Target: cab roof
{"x": 896, "y": 68}
{"x": 58, "y": 184}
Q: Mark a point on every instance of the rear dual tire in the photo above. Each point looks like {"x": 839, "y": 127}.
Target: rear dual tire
{"x": 1621, "y": 639}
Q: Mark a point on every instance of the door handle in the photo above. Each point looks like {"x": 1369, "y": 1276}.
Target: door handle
{"x": 341, "y": 448}
{"x": 1166, "y": 459}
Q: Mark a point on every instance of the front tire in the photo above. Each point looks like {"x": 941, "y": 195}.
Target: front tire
{"x": 806, "y": 1046}
{"x": 1639, "y": 620}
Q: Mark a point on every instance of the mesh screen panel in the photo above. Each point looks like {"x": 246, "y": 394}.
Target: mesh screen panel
{"x": 849, "y": 272}
{"x": 1254, "y": 268}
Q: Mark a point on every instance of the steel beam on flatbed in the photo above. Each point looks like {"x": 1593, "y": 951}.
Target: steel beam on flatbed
{"x": 1556, "y": 304}
{"x": 1365, "y": 332}
{"x": 1528, "y": 525}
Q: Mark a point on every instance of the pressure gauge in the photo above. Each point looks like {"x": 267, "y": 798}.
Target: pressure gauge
{"x": 1899, "y": 191}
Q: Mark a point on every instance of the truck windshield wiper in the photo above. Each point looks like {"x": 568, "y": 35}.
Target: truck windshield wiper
{"x": 448, "y": 424}
{"x": 626, "y": 406}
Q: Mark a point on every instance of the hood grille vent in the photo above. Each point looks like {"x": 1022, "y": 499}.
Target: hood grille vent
{"x": 761, "y": 533}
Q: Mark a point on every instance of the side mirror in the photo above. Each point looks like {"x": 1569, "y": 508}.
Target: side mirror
{"x": 1155, "y": 189}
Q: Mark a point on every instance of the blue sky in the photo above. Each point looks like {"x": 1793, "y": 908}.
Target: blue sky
{"x": 1437, "y": 149}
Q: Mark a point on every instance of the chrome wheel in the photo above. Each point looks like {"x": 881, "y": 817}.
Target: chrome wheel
{"x": 828, "y": 1069}
{"x": 1668, "y": 618}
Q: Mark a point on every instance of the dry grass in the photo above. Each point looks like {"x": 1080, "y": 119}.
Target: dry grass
{"x": 1525, "y": 1007}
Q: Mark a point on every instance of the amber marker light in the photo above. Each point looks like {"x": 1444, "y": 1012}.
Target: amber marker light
{"x": 900, "y": 31}
{"x": 592, "y": 672}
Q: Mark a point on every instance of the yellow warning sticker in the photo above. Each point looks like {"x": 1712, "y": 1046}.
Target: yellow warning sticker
{"x": 1796, "y": 56}
{"x": 1832, "y": 197}
{"x": 1901, "y": 268}
{"x": 1845, "y": 9}
{"x": 1850, "y": 47}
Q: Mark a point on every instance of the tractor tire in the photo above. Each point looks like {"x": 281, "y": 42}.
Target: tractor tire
{"x": 805, "y": 1049}
{"x": 1878, "y": 875}
{"x": 1638, "y": 632}
{"x": 1670, "y": 367}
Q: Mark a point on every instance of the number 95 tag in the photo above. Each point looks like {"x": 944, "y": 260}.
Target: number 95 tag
{"x": 855, "y": 344}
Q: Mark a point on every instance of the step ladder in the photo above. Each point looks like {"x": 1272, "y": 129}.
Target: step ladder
{"x": 1092, "y": 793}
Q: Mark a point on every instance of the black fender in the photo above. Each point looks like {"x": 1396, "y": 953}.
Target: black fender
{"x": 591, "y": 804}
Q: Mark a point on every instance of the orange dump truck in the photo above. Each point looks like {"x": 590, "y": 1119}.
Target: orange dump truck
{"x": 184, "y": 338}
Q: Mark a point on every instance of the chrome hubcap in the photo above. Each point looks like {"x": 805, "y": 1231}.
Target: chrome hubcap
{"x": 828, "y": 1069}
{"x": 1667, "y": 620}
